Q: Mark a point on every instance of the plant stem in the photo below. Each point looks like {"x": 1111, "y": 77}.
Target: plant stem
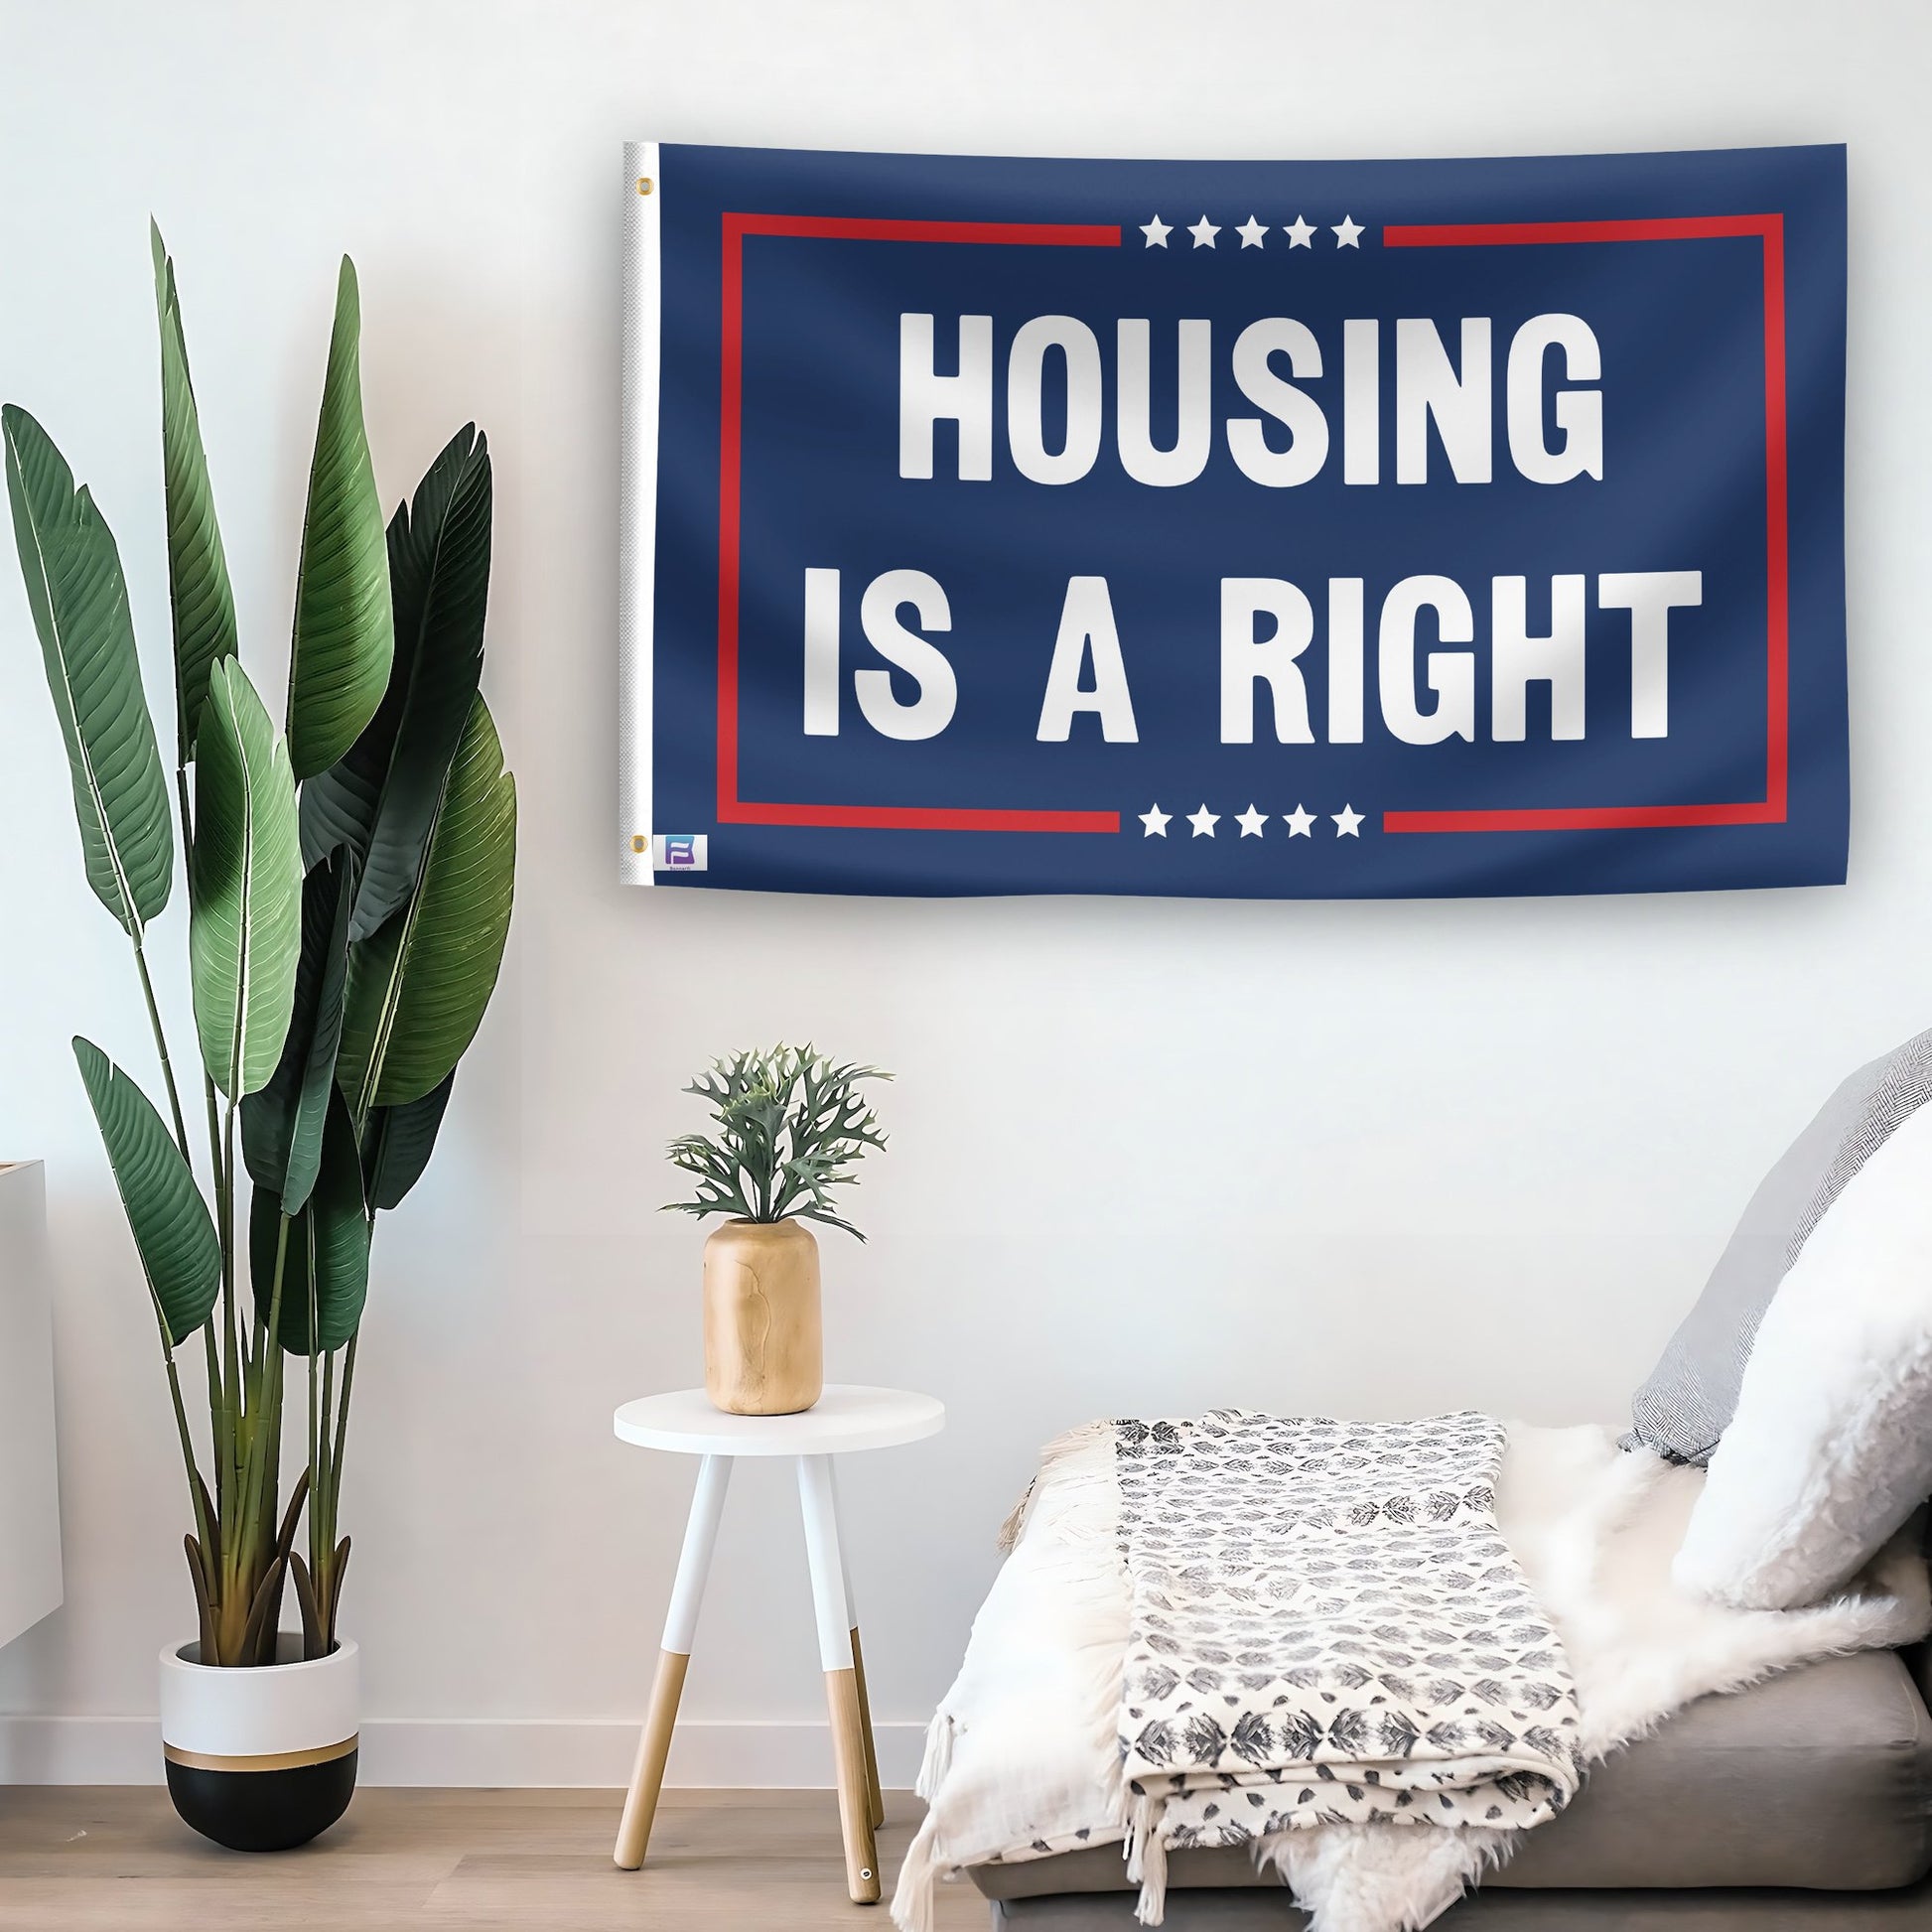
{"x": 220, "y": 1396}
{"x": 323, "y": 1526}
{"x": 245, "y": 1562}
{"x": 161, "y": 1047}
{"x": 230, "y": 1346}
{"x": 202, "y": 1525}
{"x": 321, "y": 1521}
{"x": 267, "y": 1412}
{"x": 234, "y": 1414}
{"x": 190, "y": 1468}
{"x": 342, "y": 1413}
{"x": 316, "y": 1433}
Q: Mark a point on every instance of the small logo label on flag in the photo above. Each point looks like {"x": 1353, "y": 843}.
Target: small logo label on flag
{"x": 679, "y": 852}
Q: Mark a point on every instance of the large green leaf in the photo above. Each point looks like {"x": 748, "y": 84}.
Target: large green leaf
{"x": 380, "y": 797}
{"x": 79, "y": 599}
{"x": 325, "y": 1264}
{"x": 244, "y": 934}
{"x": 198, "y": 568}
{"x": 344, "y": 630}
{"x": 281, "y": 1126}
{"x": 398, "y": 1142}
{"x": 417, "y": 989}
{"x": 173, "y": 1232}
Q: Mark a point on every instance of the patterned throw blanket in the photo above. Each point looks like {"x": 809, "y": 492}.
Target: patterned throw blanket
{"x": 1326, "y": 1626}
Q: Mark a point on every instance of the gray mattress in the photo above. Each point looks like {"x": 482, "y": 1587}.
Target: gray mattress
{"x": 1505, "y": 1912}
{"x": 1806, "y": 1801}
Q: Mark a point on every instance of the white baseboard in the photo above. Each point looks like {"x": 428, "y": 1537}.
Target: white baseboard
{"x": 480, "y": 1752}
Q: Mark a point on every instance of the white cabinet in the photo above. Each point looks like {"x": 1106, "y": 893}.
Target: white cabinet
{"x": 30, "y": 1511}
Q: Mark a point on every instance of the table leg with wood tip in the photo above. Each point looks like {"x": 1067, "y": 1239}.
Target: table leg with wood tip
{"x": 819, "y": 1507}
{"x": 859, "y": 1671}
{"x": 876, "y": 1798}
{"x": 680, "y": 1626}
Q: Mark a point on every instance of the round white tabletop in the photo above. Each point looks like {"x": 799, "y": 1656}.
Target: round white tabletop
{"x": 845, "y": 1418}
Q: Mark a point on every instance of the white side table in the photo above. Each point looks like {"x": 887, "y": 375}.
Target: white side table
{"x": 845, "y": 1419}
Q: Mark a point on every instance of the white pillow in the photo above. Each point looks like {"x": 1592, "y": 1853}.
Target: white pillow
{"x": 1830, "y": 1451}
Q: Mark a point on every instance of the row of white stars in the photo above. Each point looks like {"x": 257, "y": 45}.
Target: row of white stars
{"x": 1300, "y": 234}
{"x": 1300, "y": 822}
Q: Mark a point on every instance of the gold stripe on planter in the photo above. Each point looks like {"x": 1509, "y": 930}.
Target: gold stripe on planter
{"x": 266, "y": 1761}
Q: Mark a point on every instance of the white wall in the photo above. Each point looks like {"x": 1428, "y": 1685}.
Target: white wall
{"x": 1371, "y": 1159}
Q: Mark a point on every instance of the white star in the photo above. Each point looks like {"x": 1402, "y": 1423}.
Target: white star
{"x": 1347, "y": 823}
{"x": 1157, "y": 233}
{"x": 1251, "y": 822}
{"x": 1348, "y": 233}
{"x": 1300, "y": 234}
{"x": 1300, "y": 823}
{"x": 1203, "y": 822}
{"x": 1204, "y": 232}
{"x": 1251, "y": 232}
{"x": 1156, "y": 822}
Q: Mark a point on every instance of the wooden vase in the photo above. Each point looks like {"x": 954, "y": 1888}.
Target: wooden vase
{"x": 763, "y": 1344}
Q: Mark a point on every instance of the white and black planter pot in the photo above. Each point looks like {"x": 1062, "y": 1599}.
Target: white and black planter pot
{"x": 260, "y": 1760}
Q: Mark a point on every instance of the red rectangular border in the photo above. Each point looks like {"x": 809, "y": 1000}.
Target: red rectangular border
{"x": 732, "y": 809}
{"x": 1770, "y": 810}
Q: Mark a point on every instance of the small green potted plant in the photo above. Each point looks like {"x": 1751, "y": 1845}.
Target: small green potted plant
{"x": 349, "y": 896}
{"x": 789, "y": 1127}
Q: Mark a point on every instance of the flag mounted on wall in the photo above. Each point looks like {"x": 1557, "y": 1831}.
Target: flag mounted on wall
{"x": 1295, "y": 530}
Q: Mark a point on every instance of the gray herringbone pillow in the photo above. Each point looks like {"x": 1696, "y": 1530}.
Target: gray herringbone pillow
{"x": 1692, "y": 1394}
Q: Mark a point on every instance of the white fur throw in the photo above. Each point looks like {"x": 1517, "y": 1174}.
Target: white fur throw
{"x": 1024, "y": 1754}
{"x": 1830, "y": 1447}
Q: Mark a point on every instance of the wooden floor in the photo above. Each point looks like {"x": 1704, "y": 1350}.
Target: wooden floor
{"x": 116, "y": 1860}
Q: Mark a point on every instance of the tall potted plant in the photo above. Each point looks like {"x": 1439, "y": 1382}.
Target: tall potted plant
{"x": 789, "y": 1126}
{"x": 348, "y": 884}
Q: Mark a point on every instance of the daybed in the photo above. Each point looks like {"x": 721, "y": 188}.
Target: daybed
{"x": 1801, "y": 1805}
{"x": 1694, "y": 1689}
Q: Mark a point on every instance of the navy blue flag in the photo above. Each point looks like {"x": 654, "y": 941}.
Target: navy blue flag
{"x": 1253, "y": 529}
